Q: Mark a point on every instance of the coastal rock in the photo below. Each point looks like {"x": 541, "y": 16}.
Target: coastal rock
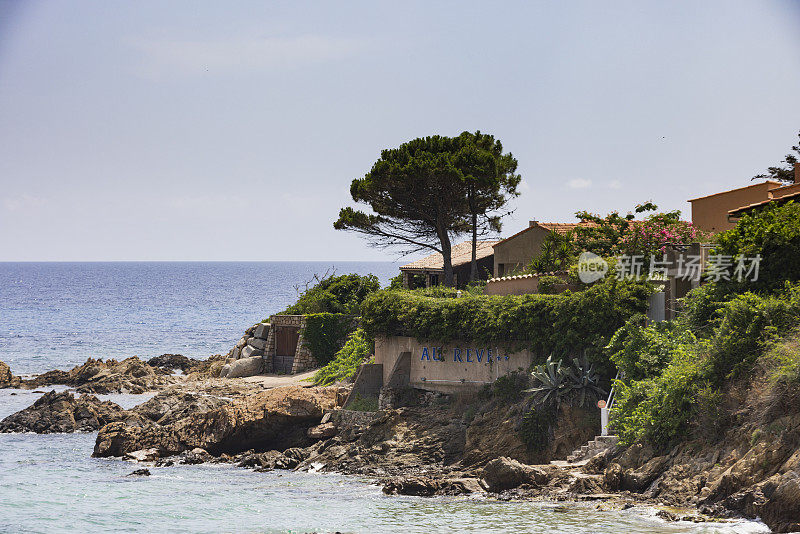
{"x": 169, "y": 406}
{"x": 323, "y": 431}
{"x": 62, "y": 412}
{"x": 423, "y": 486}
{"x": 140, "y": 473}
{"x": 171, "y": 362}
{"x": 249, "y": 352}
{"x": 638, "y": 480}
{"x": 97, "y": 376}
{"x": 504, "y": 473}
{"x": 265, "y": 420}
{"x": 7, "y": 380}
{"x": 245, "y": 367}
{"x": 144, "y": 455}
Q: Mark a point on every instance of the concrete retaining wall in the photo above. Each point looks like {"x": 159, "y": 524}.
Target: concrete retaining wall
{"x": 449, "y": 367}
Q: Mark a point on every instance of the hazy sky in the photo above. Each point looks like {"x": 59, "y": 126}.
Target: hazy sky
{"x": 231, "y": 130}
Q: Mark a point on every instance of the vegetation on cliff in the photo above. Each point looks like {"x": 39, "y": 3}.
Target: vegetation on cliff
{"x": 570, "y": 322}
{"x": 334, "y": 294}
{"x": 347, "y": 361}
{"x": 677, "y": 373}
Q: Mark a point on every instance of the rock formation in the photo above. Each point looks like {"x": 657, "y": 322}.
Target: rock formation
{"x": 7, "y": 380}
{"x": 273, "y": 419}
{"x": 62, "y": 412}
{"x": 171, "y": 362}
{"x": 130, "y": 375}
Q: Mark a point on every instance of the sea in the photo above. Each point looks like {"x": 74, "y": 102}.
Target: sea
{"x": 56, "y": 315}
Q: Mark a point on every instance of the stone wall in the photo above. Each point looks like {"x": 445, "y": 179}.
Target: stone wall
{"x": 449, "y": 367}
{"x": 303, "y": 359}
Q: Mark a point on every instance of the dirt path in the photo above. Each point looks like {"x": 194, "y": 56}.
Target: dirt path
{"x": 275, "y": 381}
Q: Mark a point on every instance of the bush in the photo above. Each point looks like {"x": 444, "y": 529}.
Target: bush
{"x": 548, "y": 284}
{"x": 659, "y": 409}
{"x": 749, "y": 322}
{"x": 663, "y": 406}
{"x": 644, "y": 351}
{"x": 565, "y": 323}
{"x": 325, "y": 333}
{"x": 773, "y": 232}
{"x": 535, "y": 430}
{"x": 347, "y": 361}
{"x": 396, "y": 282}
{"x": 336, "y": 294}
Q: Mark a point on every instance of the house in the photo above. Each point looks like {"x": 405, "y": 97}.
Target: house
{"x": 429, "y": 271}
{"x": 718, "y": 212}
{"x": 517, "y": 251}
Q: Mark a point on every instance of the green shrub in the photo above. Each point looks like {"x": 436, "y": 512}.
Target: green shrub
{"x": 363, "y": 404}
{"x": 749, "y": 322}
{"x": 644, "y": 351}
{"x": 325, "y": 333}
{"x": 663, "y": 406}
{"x": 509, "y": 388}
{"x": 566, "y": 323}
{"x": 548, "y": 284}
{"x": 396, "y": 282}
{"x": 659, "y": 409}
{"x": 535, "y": 429}
{"x": 773, "y": 232}
{"x": 347, "y": 361}
{"x": 336, "y": 294}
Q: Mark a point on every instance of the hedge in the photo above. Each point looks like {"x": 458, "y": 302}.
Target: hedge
{"x": 326, "y": 333}
{"x": 570, "y": 322}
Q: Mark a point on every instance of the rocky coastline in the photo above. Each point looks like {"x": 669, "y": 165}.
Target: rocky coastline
{"x": 430, "y": 445}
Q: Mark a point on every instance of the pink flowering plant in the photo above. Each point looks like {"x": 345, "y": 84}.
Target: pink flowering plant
{"x": 617, "y": 235}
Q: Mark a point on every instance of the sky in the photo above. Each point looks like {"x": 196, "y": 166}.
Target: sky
{"x": 210, "y": 131}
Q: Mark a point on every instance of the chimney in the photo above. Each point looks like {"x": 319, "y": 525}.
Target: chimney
{"x": 535, "y": 222}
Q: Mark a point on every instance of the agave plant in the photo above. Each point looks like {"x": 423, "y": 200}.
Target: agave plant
{"x": 556, "y": 381}
{"x": 583, "y": 380}
{"x": 551, "y": 377}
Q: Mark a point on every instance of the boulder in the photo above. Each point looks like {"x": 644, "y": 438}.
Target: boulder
{"x": 249, "y": 352}
{"x": 7, "y": 380}
{"x": 245, "y": 367}
{"x": 223, "y": 373}
{"x": 322, "y": 431}
{"x": 638, "y": 480}
{"x": 256, "y": 343}
{"x": 144, "y": 455}
{"x": 169, "y": 407}
{"x": 62, "y": 412}
{"x": 504, "y": 473}
{"x": 268, "y": 419}
{"x": 171, "y": 362}
{"x": 262, "y": 331}
{"x": 428, "y": 486}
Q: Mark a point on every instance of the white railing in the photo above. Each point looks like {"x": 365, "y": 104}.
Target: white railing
{"x": 605, "y": 409}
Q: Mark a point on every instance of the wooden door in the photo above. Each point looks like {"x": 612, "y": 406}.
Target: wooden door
{"x": 286, "y": 340}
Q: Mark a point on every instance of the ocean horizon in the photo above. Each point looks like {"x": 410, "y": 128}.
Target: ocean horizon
{"x": 55, "y": 315}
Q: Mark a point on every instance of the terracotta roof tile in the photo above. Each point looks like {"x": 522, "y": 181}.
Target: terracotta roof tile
{"x": 460, "y": 254}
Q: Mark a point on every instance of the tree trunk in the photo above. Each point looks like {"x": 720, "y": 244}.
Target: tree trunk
{"x": 444, "y": 238}
{"x": 473, "y": 266}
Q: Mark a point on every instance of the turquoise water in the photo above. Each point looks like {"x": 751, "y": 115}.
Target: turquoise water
{"x": 56, "y": 315}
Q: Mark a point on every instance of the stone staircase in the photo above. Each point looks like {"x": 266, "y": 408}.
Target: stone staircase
{"x": 593, "y": 448}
